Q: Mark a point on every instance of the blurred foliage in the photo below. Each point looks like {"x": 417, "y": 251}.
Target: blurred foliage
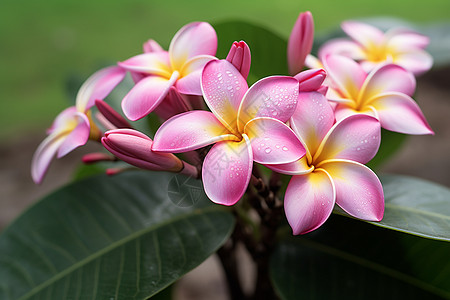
{"x": 45, "y": 43}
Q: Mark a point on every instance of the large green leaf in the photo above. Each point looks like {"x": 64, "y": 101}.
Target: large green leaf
{"x": 347, "y": 259}
{"x": 415, "y": 206}
{"x": 109, "y": 238}
{"x": 268, "y": 49}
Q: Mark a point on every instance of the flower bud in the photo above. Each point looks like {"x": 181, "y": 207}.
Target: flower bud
{"x": 240, "y": 57}
{"x": 135, "y": 147}
{"x": 310, "y": 80}
{"x": 111, "y": 115}
{"x": 152, "y": 46}
{"x": 300, "y": 42}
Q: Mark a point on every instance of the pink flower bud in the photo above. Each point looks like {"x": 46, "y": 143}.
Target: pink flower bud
{"x": 111, "y": 115}
{"x": 240, "y": 57}
{"x": 310, "y": 80}
{"x": 92, "y": 158}
{"x": 135, "y": 147}
{"x": 152, "y": 46}
{"x": 300, "y": 42}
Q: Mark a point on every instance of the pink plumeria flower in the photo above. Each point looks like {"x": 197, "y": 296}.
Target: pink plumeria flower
{"x": 74, "y": 126}
{"x": 247, "y": 124}
{"x": 332, "y": 171}
{"x": 191, "y": 48}
{"x": 384, "y": 93}
{"x": 300, "y": 42}
{"x": 371, "y": 47}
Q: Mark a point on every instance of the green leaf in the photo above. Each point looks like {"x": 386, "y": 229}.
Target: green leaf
{"x": 117, "y": 237}
{"x": 268, "y": 49}
{"x": 347, "y": 259}
{"x": 414, "y": 206}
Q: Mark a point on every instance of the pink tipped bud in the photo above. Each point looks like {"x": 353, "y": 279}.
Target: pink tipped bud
{"x": 152, "y": 46}
{"x": 240, "y": 57}
{"x": 135, "y": 147}
{"x": 300, "y": 42}
{"x": 111, "y": 115}
{"x": 114, "y": 171}
{"x": 96, "y": 157}
{"x": 310, "y": 80}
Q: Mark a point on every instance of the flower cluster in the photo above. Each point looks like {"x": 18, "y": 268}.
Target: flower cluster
{"x": 320, "y": 125}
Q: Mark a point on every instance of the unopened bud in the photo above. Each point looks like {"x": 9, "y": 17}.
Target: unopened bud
{"x": 300, "y": 42}
{"x": 310, "y": 80}
{"x": 240, "y": 57}
{"x": 135, "y": 147}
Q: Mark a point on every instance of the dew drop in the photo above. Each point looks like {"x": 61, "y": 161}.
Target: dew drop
{"x": 285, "y": 148}
{"x": 268, "y": 150}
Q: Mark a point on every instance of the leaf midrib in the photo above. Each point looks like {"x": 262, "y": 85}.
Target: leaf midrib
{"x": 374, "y": 266}
{"x": 113, "y": 246}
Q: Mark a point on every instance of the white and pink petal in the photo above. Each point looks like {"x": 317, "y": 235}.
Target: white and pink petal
{"x": 227, "y": 170}
{"x": 223, "y": 89}
{"x": 154, "y": 63}
{"x": 197, "y": 38}
{"x": 189, "y": 131}
{"x": 399, "y": 112}
{"x": 358, "y": 190}
{"x": 312, "y": 119}
{"x": 273, "y": 142}
{"x": 98, "y": 86}
{"x": 77, "y": 137}
{"x": 356, "y": 138}
{"x": 309, "y": 201}
{"x": 274, "y": 97}
{"x": 146, "y": 95}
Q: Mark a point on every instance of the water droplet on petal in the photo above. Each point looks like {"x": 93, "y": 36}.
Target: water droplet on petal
{"x": 268, "y": 150}
{"x": 285, "y": 148}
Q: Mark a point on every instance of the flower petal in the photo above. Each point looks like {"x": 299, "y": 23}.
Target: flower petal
{"x": 45, "y": 153}
{"x": 227, "y": 170}
{"x": 404, "y": 40}
{"x": 310, "y": 80}
{"x": 190, "y": 131}
{"x": 273, "y": 142}
{"x": 364, "y": 34}
{"x": 358, "y": 189}
{"x": 274, "y": 97}
{"x": 193, "y": 39}
{"x": 98, "y": 86}
{"x": 152, "y": 46}
{"x": 346, "y": 75}
{"x": 298, "y": 167}
{"x": 354, "y": 138}
{"x": 300, "y": 42}
{"x": 312, "y": 119}
{"x": 387, "y": 78}
{"x": 146, "y": 95}
{"x": 309, "y": 201}
{"x": 240, "y": 56}
{"x": 191, "y": 74}
{"x": 77, "y": 137}
{"x": 399, "y": 112}
{"x": 153, "y": 63}
{"x": 343, "y": 111}
{"x": 223, "y": 89}
{"x": 173, "y": 104}
{"x": 417, "y": 62}
{"x": 341, "y": 47}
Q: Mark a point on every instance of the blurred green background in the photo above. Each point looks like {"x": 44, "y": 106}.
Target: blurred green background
{"x": 44, "y": 43}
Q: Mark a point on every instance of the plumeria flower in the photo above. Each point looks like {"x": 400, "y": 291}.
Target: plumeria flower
{"x": 74, "y": 126}
{"x": 371, "y": 47}
{"x": 384, "y": 93}
{"x": 191, "y": 48}
{"x": 300, "y": 42}
{"x": 246, "y": 125}
{"x": 332, "y": 171}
